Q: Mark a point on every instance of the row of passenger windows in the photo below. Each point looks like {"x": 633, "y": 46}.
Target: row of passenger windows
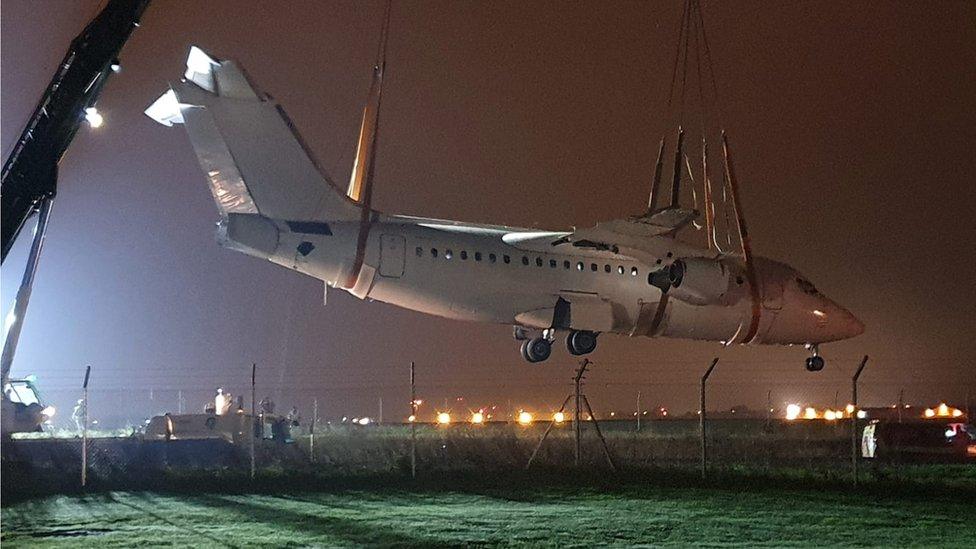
{"x": 539, "y": 262}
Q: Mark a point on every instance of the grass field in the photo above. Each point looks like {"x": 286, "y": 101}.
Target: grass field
{"x": 630, "y": 513}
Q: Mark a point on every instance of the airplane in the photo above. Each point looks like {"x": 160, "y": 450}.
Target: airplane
{"x": 628, "y": 276}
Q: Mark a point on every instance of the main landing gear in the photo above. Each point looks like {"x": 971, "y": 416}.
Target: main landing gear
{"x": 538, "y": 348}
{"x": 815, "y": 362}
{"x": 581, "y": 342}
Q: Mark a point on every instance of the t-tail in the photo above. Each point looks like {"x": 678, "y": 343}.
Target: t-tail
{"x": 263, "y": 178}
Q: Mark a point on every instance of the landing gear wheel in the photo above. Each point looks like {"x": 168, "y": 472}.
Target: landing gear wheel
{"x": 536, "y": 350}
{"x": 581, "y": 342}
{"x": 815, "y": 363}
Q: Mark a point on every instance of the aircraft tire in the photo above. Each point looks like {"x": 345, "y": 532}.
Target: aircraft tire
{"x": 815, "y": 363}
{"x": 536, "y": 350}
{"x": 581, "y": 342}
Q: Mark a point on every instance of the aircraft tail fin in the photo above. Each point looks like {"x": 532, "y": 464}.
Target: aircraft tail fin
{"x": 255, "y": 161}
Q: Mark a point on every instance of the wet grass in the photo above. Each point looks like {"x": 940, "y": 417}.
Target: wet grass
{"x": 504, "y": 511}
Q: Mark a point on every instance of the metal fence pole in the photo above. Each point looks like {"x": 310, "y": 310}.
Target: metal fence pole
{"x": 638, "y": 410}
{"x": 84, "y": 430}
{"x": 311, "y": 430}
{"x": 701, "y": 419}
{"x": 413, "y": 420}
{"x": 254, "y": 414}
{"x": 854, "y": 445}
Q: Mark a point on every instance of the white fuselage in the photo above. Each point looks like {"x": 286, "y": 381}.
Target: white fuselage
{"x": 468, "y": 272}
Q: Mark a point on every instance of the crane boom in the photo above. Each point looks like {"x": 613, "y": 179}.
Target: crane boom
{"x": 30, "y": 171}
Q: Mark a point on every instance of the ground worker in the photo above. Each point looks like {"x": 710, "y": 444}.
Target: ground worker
{"x": 223, "y": 401}
{"x": 78, "y": 415}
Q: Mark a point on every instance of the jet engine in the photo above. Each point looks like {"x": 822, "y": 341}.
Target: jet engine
{"x": 699, "y": 281}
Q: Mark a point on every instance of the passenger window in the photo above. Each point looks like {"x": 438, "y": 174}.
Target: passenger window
{"x": 433, "y": 252}
{"x": 525, "y": 260}
{"x": 477, "y": 256}
{"x": 538, "y": 261}
{"x": 566, "y": 264}
{"x": 620, "y": 269}
{"x": 552, "y": 263}
{"x": 606, "y": 268}
{"x": 420, "y": 251}
{"x": 448, "y": 254}
{"x": 633, "y": 271}
{"x": 492, "y": 258}
{"x": 579, "y": 266}
{"x": 506, "y": 259}
{"x": 593, "y": 267}
{"x": 464, "y": 254}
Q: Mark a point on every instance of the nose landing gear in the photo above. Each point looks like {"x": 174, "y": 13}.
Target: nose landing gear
{"x": 815, "y": 362}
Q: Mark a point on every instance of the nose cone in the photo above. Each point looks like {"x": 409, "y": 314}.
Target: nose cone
{"x": 836, "y": 322}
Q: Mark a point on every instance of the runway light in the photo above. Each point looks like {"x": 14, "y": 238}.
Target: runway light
{"x": 929, "y": 412}
{"x": 849, "y": 409}
{"x": 364, "y": 421}
{"x": 829, "y": 415}
{"x": 524, "y": 418}
{"x": 956, "y": 412}
{"x": 810, "y": 413}
{"x": 93, "y": 117}
{"x": 443, "y": 418}
{"x": 412, "y": 418}
{"x": 861, "y": 414}
{"x": 478, "y": 418}
{"x": 559, "y": 417}
{"x": 792, "y": 412}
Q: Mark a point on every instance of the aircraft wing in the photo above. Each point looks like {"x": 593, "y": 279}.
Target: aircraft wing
{"x": 629, "y": 237}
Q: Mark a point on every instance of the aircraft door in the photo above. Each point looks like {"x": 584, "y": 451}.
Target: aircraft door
{"x": 392, "y": 256}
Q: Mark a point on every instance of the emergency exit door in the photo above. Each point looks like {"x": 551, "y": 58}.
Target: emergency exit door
{"x": 392, "y": 255}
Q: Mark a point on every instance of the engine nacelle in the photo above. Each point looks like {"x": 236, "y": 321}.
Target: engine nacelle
{"x": 699, "y": 281}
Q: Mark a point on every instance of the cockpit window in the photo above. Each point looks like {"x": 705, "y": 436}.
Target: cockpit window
{"x": 806, "y": 286}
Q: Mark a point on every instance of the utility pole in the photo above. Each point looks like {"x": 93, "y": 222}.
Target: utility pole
{"x": 380, "y": 418}
{"x": 581, "y": 401}
{"x": 254, "y": 414}
{"x": 413, "y": 420}
{"x": 854, "y": 445}
{"x": 701, "y": 419}
{"x": 84, "y": 430}
{"x": 179, "y": 401}
{"x": 577, "y": 416}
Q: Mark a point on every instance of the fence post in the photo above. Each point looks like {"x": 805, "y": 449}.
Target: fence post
{"x": 311, "y": 430}
{"x": 413, "y": 420}
{"x": 254, "y": 415}
{"x": 84, "y": 430}
{"x": 701, "y": 419}
{"x": 854, "y": 445}
{"x": 638, "y": 410}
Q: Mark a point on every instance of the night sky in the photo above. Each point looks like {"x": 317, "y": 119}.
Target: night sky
{"x": 853, "y": 125}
